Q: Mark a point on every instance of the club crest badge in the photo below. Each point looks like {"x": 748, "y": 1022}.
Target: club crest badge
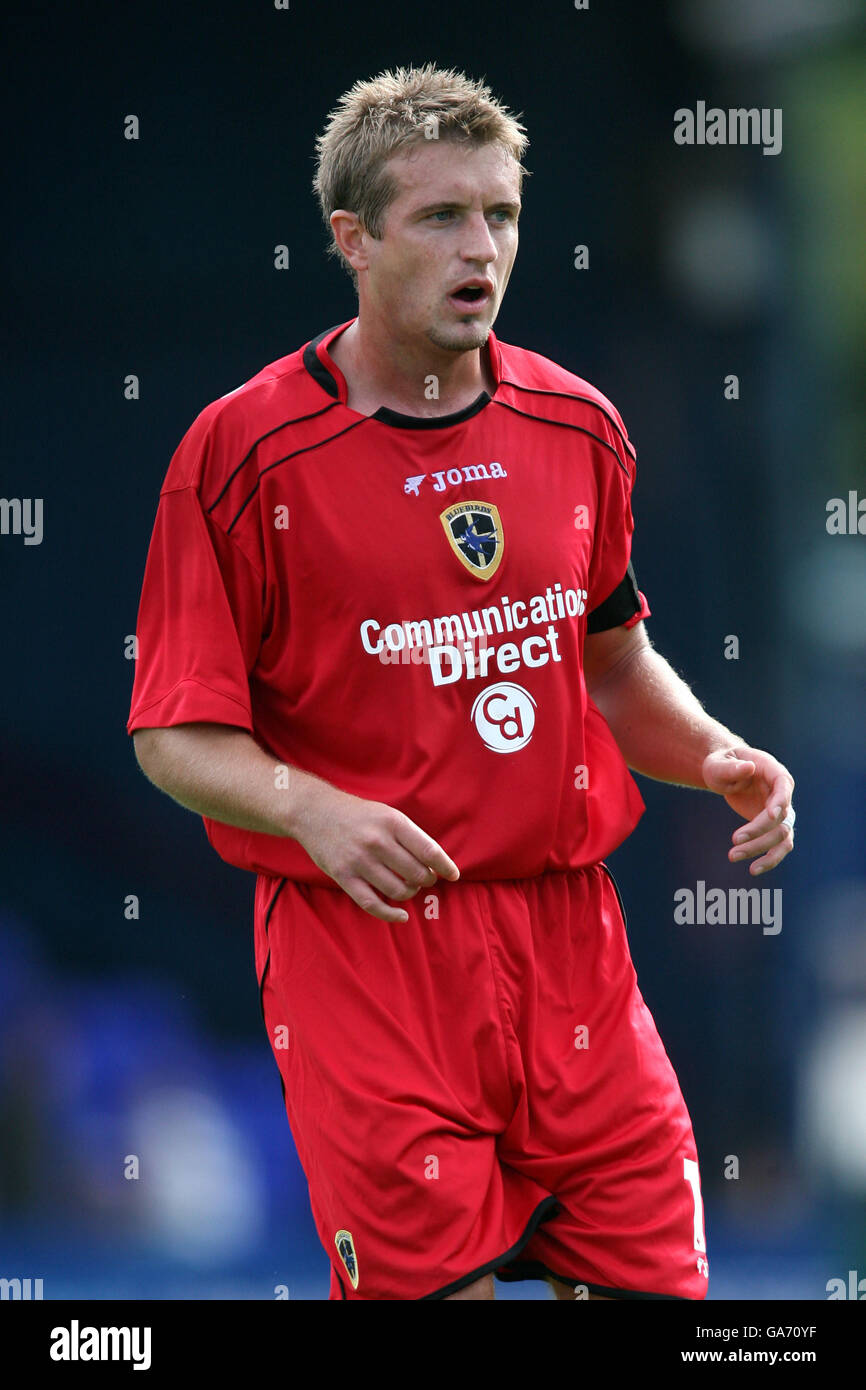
{"x": 346, "y": 1250}
{"x": 474, "y": 531}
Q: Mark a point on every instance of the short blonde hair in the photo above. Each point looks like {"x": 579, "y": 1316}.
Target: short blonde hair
{"x": 386, "y": 115}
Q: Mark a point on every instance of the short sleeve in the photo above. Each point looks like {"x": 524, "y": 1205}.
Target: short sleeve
{"x": 614, "y": 597}
{"x": 199, "y": 622}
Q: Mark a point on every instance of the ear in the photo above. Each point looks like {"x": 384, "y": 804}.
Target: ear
{"x": 350, "y": 238}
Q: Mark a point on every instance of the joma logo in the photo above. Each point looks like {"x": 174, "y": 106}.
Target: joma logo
{"x": 453, "y": 477}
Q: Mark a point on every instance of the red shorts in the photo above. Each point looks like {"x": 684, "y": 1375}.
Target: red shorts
{"x": 480, "y": 1089}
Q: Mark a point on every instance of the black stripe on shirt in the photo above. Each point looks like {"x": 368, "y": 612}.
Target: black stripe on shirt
{"x": 572, "y": 396}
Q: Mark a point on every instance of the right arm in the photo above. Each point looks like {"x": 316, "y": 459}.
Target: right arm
{"x": 368, "y": 848}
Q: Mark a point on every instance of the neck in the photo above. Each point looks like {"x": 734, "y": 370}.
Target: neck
{"x": 407, "y": 376}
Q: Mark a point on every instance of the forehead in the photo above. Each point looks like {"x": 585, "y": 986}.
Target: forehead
{"x": 454, "y": 171}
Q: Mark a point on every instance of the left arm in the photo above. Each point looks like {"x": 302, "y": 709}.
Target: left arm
{"x": 664, "y": 732}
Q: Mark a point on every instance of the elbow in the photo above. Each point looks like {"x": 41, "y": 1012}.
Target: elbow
{"x": 146, "y": 743}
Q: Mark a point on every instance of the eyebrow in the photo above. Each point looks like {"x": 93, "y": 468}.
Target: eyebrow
{"x": 446, "y": 206}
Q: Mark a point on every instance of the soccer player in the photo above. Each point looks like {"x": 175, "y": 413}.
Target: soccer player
{"x": 392, "y": 649}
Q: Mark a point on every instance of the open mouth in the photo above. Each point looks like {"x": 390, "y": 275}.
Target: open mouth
{"x": 470, "y": 294}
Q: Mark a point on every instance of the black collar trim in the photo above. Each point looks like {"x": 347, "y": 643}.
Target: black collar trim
{"x": 431, "y": 422}
{"x": 317, "y": 369}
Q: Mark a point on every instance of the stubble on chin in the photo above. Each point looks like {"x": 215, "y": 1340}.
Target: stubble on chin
{"x": 459, "y": 340}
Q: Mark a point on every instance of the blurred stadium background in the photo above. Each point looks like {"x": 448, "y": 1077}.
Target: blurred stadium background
{"x": 155, "y": 257}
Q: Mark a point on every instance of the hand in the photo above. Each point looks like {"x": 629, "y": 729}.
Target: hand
{"x": 365, "y": 845}
{"x": 759, "y": 788}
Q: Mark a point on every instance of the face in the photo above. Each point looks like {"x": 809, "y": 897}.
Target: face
{"x": 453, "y": 221}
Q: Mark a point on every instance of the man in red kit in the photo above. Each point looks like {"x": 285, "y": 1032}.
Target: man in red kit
{"x": 392, "y": 649}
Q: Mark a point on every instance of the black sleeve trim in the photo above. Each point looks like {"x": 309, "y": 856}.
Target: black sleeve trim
{"x": 618, "y": 607}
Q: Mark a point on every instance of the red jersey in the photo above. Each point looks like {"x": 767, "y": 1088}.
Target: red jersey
{"x": 398, "y": 604}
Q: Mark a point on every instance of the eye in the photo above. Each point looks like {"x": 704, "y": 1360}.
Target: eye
{"x": 444, "y": 212}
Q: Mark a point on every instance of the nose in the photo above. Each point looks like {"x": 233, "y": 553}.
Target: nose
{"x": 478, "y": 244}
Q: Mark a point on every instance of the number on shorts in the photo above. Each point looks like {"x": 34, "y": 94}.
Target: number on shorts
{"x": 690, "y": 1173}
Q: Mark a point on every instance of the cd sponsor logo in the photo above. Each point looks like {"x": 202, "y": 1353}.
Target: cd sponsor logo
{"x": 504, "y": 715}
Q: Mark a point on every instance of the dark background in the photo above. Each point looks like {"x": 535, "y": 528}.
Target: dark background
{"x": 156, "y": 257}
